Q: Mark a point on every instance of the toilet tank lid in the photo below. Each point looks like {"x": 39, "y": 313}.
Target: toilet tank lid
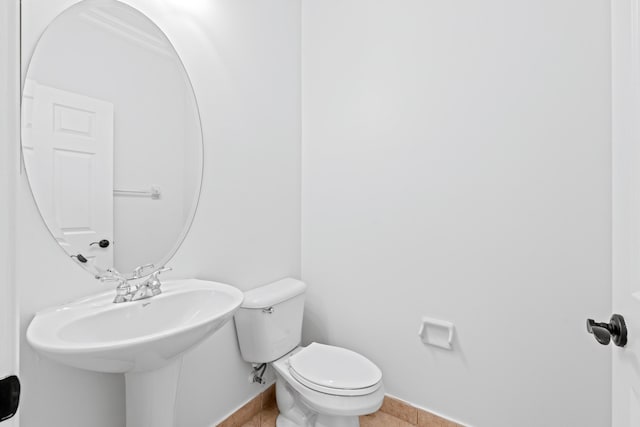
{"x": 273, "y": 293}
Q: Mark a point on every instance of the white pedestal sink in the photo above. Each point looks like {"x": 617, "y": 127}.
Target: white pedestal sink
{"x": 144, "y": 339}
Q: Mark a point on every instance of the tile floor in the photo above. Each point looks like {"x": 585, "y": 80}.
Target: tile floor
{"x": 263, "y": 411}
{"x": 267, "y": 418}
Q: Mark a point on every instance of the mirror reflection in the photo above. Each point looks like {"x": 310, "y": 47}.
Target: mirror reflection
{"x": 111, "y": 137}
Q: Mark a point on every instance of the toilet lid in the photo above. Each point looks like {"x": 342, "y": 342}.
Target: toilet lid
{"x": 334, "y": 370}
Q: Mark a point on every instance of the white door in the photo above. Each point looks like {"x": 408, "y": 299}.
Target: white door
{"x": 626, "y": 208}
{"x": 68, "y": 154}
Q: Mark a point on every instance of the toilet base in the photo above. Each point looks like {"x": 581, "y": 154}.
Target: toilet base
{"x": 321, "y": 421}
{"x": 335, "y": 421}
{"x": 294, "y": 412}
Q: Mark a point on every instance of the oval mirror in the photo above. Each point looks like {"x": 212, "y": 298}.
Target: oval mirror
{"x": 111, "y": 138}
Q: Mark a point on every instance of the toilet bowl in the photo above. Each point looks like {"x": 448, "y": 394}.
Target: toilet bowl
{"x": 321, "y": 385}
{"x": 316, "y": 386}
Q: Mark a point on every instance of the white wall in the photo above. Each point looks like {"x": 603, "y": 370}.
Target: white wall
{"x": 456, "y": 164}
{"x": 244, "y": 62}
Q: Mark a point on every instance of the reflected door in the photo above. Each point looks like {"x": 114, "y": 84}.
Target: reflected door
{"x": 68, "y": 153}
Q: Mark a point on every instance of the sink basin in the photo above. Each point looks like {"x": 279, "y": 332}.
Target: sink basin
{"x": 98, "y": 335}
{"x": 144, "y": 339}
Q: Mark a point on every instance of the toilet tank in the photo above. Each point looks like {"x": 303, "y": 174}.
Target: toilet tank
{"x": 269, "y": 321}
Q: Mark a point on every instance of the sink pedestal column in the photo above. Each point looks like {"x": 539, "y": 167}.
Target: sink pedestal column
{"x": 151, "y": 396}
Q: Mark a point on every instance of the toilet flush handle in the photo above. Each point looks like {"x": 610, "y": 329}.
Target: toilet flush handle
{"x": 268, "y": 310}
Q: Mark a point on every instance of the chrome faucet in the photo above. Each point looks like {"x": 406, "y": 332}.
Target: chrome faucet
{"x": 150, "y": 287}
{"x": 126, "y": 291}
{"x": 123, "y": 289}
{"x": 137, "y": 272}
{"x": 153, "y": 282}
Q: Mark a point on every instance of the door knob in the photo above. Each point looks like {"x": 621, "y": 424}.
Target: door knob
{"x": 616, "y": 329}
{"x": 9, "y": 397}
{"x": 80, "y": 258}
{"x": 104, "y": 243}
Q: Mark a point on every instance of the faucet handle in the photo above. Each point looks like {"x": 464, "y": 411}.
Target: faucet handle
{"x": 163, "y": 269}
{"x": 104, "y": 279}
{"x": 114, "y": 276}
{"x": 155, "y": 274}
{"x": 137, "y": 272}
{"x": 114, "y": 273}
{"x": 154, "y": 283}
{"x": 123, "y": 293}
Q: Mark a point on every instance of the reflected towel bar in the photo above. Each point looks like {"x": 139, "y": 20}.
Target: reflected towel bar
{"x": 154, "y": 193}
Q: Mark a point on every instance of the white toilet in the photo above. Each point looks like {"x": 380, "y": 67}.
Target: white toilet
{"x": 316, "y": 386}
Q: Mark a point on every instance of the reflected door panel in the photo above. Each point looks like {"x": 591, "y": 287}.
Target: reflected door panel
{"x": 71, "y": 139}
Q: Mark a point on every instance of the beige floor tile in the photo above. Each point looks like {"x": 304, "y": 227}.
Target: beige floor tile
{"x": 427, "y": 419}
{"x": 251, "y": 415}
{"x": 269, "y": 397}
{"x": 380, "y": 419}
{"x": 400, "y": 409}
{"x": 268, "y": 416}
{"x": 243, "y": 415}
{"x": 253, "y": 422}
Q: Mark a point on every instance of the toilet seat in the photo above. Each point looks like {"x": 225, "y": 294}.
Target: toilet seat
{"x": 334, "y": 370}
